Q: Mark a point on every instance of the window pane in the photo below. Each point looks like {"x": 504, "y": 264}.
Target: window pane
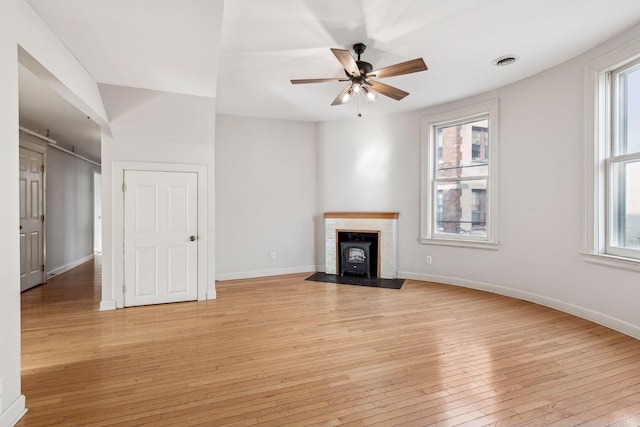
{"x": 626, "y": 206}
{"x": 630, "y": 112}
{"x": 463, "y": 150}
{"x": 461, "y": 208}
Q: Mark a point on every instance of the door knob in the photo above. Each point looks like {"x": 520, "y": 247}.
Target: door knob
{"x": 192, "y": 238}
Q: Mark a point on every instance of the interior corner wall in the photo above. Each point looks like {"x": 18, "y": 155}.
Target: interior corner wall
{"x": 374, "y": 164}
{"x": 20, "y": 26}
{"x": 153, "y": 126}
{"x": 265, "y": 197}
{"x": 69, "y": 216}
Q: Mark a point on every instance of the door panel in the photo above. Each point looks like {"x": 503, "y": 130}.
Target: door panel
{"x": 178, "y": 205}
{"x": 160, "y": 216}
{"x": 23, "y": 196}
{"x": 146, "y": 269}
{"x": 31, "y": 211}
{"x": 23, "y": 257}
{"x": 178, "y": 269}
{"x": 36, "y": 265}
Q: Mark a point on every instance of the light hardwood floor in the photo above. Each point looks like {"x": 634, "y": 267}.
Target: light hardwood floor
{"x": 284, "y": 351}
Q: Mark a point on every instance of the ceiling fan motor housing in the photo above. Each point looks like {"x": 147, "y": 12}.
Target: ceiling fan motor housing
{"x": 364, "y": 68}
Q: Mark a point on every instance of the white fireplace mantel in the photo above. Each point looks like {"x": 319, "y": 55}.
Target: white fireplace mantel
{"x": 384, "y": 223}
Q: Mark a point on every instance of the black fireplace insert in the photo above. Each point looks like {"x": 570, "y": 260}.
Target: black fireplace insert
{"x": 358, "y": 253}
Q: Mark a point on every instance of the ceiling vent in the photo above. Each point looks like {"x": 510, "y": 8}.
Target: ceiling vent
{"x": 505, "y": 60}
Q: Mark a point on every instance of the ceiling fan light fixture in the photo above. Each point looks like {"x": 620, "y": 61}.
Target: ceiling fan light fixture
{"x": 356, "y": 89}
{"x": 371, "y": 95}
{"x": 346, "y": 97}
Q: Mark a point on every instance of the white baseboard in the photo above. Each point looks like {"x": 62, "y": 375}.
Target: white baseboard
{"x": 265, "y": 273}
{"x": 13, "y": 413}
{"x": 212, "y": 294}
{"x": 108, "y": 304}
{"x": 69, "y": 266}
{"x": 575, "y": 310}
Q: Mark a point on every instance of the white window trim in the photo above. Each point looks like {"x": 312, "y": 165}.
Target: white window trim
{"x": 597, "y": 149}
{"x": 428, "y": 124}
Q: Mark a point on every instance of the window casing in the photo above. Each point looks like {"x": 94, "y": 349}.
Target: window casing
{"x": 612, "y": 159}
{"x": 459, "y": 177}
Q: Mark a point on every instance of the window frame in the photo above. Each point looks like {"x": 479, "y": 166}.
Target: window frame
{"x": 600, "y": 158}
{"x": 428, "y": 205}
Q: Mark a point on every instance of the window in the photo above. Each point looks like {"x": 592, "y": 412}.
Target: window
{"x": 623, "y": 166}
{"x": 459, "y": 179}
{"x": 612, "y": 224}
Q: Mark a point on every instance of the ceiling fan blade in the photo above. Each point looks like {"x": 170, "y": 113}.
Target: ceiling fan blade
{"x": 413, "y": 66}
{"x": 347, "y": 61}
{"x": 386, "y": 90}
{"x": 340, "y": 98}
{"x": 302, "y": 81}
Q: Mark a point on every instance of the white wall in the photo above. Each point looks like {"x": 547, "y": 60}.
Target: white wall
{"x": 541, "y": 188}
{"x": 69, "y": 198}
{"x": 11, "y": 401}
{"x": 265, "y": 197}
{"x": 152, "y": 126}
{"x": 21, "y": 26}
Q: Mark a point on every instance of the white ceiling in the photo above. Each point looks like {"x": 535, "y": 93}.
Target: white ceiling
{"x": 267, "y": 43}
{"x": 246, "y": 55}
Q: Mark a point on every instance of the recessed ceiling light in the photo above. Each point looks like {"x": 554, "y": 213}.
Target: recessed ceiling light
{"x": 505, "y": 60}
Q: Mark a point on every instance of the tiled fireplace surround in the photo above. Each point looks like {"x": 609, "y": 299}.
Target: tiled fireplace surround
{"x": 383, "y": 223}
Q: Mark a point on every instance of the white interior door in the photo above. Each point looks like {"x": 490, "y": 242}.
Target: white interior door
{"x": 160, "y": 237}
{"x": 31, "y": 219}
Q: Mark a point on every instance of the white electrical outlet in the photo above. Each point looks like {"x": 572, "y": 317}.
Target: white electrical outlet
{"x": 272, "y": 255}
{"x": 429, "y": 259}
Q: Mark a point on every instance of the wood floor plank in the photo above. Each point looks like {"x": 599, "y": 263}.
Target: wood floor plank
{"x": 281, "y": 351}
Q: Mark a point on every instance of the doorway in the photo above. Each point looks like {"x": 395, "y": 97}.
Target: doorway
{"x": 31, "y": 184}
{"x": 160, "y": 237}
{"x": 114, "y": 292}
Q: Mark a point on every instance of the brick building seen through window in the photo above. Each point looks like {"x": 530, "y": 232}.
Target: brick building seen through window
{"x": 461, "y": 178}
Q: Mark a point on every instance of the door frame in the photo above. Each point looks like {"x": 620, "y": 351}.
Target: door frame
{"x": 31, "y": 143}
{"x": 117, "y": 178}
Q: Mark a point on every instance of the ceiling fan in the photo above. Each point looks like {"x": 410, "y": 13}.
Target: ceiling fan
{"x": 360, "y": 74}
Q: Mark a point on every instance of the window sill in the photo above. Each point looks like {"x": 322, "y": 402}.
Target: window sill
{"x": 612, "y": 261}
{"x": 474, "y": 244}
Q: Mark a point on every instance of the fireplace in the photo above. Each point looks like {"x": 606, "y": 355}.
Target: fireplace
{"x": 358, "y": 253}
{"x": 379, "y": 228}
